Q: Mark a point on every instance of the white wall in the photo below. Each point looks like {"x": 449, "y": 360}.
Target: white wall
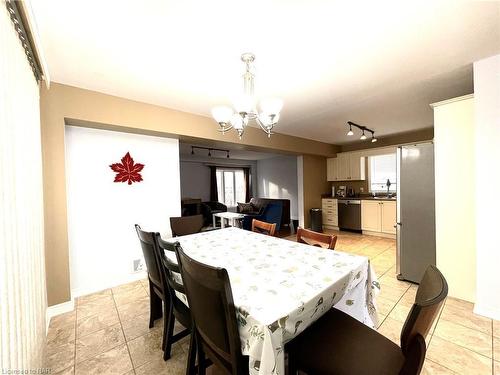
{"x": 455, "y": 193}
{"x": 277, "y": 178}
{"x": 102, "y": 213}
{"x": 487, "y": 160}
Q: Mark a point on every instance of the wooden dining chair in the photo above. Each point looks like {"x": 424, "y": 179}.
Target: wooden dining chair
{"x": 157, "y": 293}
{"x": 339, "y": 344}
{"x": 309, "y": 237}
{"x": 214, "y": 316}
{"x": 263, "y": 227}
{"x": 177, "y": 310}
{"x": 185, "y": 225}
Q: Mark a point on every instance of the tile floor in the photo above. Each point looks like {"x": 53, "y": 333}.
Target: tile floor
{"x": 108, "y": 332}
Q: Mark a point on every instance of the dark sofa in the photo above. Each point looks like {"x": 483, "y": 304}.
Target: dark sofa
{"x": 261, "y": 203}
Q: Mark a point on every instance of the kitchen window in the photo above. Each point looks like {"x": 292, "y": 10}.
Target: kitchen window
{"x": 380, "y": 169}
{"x": 231, "y": 186}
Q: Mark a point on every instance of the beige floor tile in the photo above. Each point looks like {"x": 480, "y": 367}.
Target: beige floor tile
{"x": 115, "y": 361}
{"x": 97, "y": 322}
{"x": 131, "y": 310}
{"x": 391, "y": 329}
{"x": 139, "y": 326}
{"x": 466, "y": 337}
{"x": 391, "y": 293}
{"x": 98, "y": 342}
{"x": 126, "y": 287}
{"x": 391, "y": 280}
{"x": 384, "y": 305}
{"x": 147, "y": 348}
{"x": 457, "y": 358}
{"x": 174, "y": 366}
{"x": 60, "y": 336}
{"x": 130, "y": 295}
{"x": 98, "y": 306}
{"x": 433, "y": 368}
{"x": 381, "y": 319}
{"x": 496, "y": 328}
{"x": 59, "y": 358}
{"x": 63, "y": 320}
{"x": 496, "y": 349}
{"x": 400, "y": 311}
{"x": 67, "y": 371}
{"x": 409, "y": 296}
{"x": 496, "y": 368}
{"x": 93, "y": 297}
{"x": 467, "y": 318}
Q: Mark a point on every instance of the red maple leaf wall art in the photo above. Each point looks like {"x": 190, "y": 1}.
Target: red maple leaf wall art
{"x": 127, "y": 170}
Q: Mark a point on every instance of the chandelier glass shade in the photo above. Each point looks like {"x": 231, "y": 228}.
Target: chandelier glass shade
{"x": 265, "y": 113}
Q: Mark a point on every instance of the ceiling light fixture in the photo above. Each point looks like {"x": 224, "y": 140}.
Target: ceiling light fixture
{"x": 209, "y": 149}
{"x": 350, "y": 132}
{"x": 363, "y": 130}
{"x": 246, "y": 106}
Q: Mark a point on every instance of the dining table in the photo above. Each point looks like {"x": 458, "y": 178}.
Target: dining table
{"x": 280, "y": 287}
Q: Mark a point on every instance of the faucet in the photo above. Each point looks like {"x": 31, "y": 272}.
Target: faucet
{"x": 388, "y": 183}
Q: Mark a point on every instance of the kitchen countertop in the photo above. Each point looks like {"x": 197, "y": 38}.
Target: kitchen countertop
{"x": 367, "y": 198}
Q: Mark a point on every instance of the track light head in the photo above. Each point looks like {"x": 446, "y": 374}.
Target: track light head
{"x": 227, "y": 155}
{"x": 192, "y": 150}
{"x": 363, "y": 136}
{"x": 209, "y": 153}
{"x": 374, "y": 139}
{"x": 350, "y": 132}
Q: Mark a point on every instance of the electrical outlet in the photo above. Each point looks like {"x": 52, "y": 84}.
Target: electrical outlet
{"x": 138, "y": 265}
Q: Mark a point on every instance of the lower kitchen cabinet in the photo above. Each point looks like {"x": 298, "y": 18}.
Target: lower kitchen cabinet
{"x": 378, "y": 216}
{"x": 330, "y": 213}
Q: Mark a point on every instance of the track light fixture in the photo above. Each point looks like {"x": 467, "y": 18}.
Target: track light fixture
{"x": 363, "y": 129}
{"x": 209, "y": 149}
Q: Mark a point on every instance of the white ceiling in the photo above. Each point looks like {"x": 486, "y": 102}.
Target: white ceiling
{"x": 375, "y": 63}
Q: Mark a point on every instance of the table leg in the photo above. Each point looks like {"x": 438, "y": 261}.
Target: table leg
{"x": 222, "y": 223}
{"x": 213, "y": 220}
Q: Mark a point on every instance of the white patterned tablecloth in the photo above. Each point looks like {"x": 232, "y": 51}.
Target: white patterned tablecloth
{"x": 280, "y": 287}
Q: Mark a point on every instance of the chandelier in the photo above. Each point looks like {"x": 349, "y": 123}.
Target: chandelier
{"x": 245, "y": 107}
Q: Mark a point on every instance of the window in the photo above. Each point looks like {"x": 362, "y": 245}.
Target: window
{"x": 230, "y": 186}
{"x": 382, "y": 168}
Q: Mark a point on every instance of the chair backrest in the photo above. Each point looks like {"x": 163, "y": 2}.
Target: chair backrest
{"x": 172, "y": 269}
{"x": 211, "y": 303}
{"x": 273, "y": 213}
{"x": 430, "y": 297}
{"x": 184, "y": 225}
{"x": 309, "y": 237}
{"x": 263, "y": 227}
{"x": 148, "y": 246}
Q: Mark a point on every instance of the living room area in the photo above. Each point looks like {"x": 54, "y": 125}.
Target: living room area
{"x": 227, "y": 184}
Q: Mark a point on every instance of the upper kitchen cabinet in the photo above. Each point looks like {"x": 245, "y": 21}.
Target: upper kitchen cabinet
{"x": 332, "y": 169}
{"x": 357, "y": 167}
{"x": 345, "y": 167}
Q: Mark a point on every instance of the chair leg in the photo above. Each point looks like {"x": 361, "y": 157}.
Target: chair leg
{"x": 155, "y": 306}
{"x": 202, "y": 365}
{"x": 168, "y": 331}
{"x": 191, "y": 361}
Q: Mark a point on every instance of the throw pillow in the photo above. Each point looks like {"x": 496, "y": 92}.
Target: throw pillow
{"x": 245, "y": 208}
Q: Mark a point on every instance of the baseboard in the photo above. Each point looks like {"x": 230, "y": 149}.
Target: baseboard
{"x": 78, "y": 292}
{"x": 486, "y": 311}
{"x": 58, "y": 310}
{"x": 379, "y": 234}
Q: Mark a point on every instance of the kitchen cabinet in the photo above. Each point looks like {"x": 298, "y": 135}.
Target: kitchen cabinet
{"x": 378, "y": 216}
{"x": 332, "y": 169}
{"x": 330, "y": 213}
{"x": 346, "y": 167}
{"x": 388, "y": 217}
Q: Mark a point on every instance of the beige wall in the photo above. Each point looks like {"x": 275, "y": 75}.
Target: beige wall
{"x": 65, "y": 104}
{"x": 314, "y": 183}
{"x": 455, "y": 206}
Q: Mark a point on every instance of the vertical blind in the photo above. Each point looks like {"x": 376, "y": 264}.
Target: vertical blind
{"x": 23, "y": 300}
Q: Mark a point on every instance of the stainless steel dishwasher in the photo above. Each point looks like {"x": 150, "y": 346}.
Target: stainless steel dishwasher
{"x": 349, "y": 214}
